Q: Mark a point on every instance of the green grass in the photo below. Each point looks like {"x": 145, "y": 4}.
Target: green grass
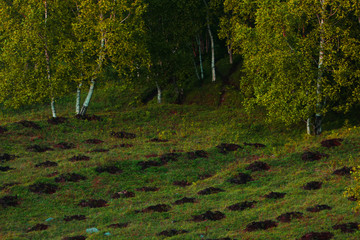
{"x": 187, "y": 128}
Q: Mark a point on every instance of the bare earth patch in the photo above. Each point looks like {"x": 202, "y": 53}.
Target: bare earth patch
{"x": 241, "y": 178}
{"x": 185, "y": 200}
{"x": 46, "y": 188}
{"x": 9, "y": 201}
{"x": 79, "y": 158}
{"x": 171, "y": 233}
{"x": 287, "y": 217}
{"x": 347, "y": 227}
{"x": 210, "y": 190}
{"x": 318, "y": 208}
{"x": 314, "y": 185}
{"x": 330, "y": 143}
{"x": 262, "y": 225}
{"x": 313, "y": 156}
{"x": 242, "y": 206}
{"x": 46, "y": 164}
{"x": 258, "y": 166}
{"x": 274, "y": 195}
{"x": 123, "y": 194}
{"x": 317, "y": 236}
{"x": 125, "y": 135}
{"x": 209, "y": 215}
{"x": 74, "y": 217}
{"x": 93, "y": 203}
{"x": 38, "y": 227}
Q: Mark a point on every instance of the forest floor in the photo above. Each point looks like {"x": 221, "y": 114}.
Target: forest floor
{"x": 174, "y": 172}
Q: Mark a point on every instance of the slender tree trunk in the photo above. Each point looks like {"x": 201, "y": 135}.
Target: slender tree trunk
{"x": 196, "y": 70}
{"x": 78, "y": 98}
{"x": 211, "y": 42}
{"x": 319, "y": 104}
{"x": 158, "y": 93}
{"x": 308, "y": 129}
{"x": 88, "y": 98}
{"x": 230, "y": 53}
{"x": 200, "y": 58}
{"x": 53, "y": 110}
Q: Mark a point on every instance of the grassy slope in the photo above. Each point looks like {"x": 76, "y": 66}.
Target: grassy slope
{"x": 188, "y": 128}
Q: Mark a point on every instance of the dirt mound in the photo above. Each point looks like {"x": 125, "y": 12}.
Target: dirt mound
{"x": 119, "y": 225}
{"x": 146, "y": 164}
{"x": 345, "y": 171}
{"x": 242, "y": 206}
{"x": 314, "y": 185}
{"x": 38, "y": 227}
{"x": 185, "y": 200}
{"x": 57, "y": 120}
{"x": 80, "y": 237}
{"x": 182, "y": 183}
{"x": 5, "y": 169}
{"x": 172, "y": 232}
{"x": 99, "y": 150}
{"x": 347, "y": 227}
{"x": 123, "y": 194}
{"x": 123, "y": 145}
{"x": 262, "y": 225}
{"x": 38, "y": 148}
{"x": 30, "y": 124}
{"x": 93, "y": 203}
{"x": 70, "y": 177}
{"x": 158, "y": 140}
{"x": 210, "y": 190}
{"x": 6, "y": 157}
{"x": 258, "y": 166}
{"x": 313, "y": 156}
{"x": 169, "y": 157}
{"x": 318, "y": 208}
{"x": 197, "y": 154}
{"x": 274, "y": 195}
{"x": 157, "y": 208}
{"x": 2, "y": 130}
{"x": 46, "y": 164}
{"x": 79, "y": 158}
{"x": 287, "y": 217}
{"x": 332, "y": 142}
{"x": 209, "y": 215}
{"x": 317, "y": 236}
{"x": 147, "y": 189}
{"x": 9, "y": 201}
{"x": 256, "y": 145}
{"x": 109, "y": 169}
{"x": 125, "y": 135}
{"x": 64, "y": 145}
{"x": 74, "y": 217}
{"x": 88, "y": 117}
{"x": 241, "y": 178}
{"x": 228, "y": 147}
{"x": 40, "y": 188}
{"x": 93, "y": 141}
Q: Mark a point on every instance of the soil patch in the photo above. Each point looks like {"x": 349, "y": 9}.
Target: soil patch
{"x": 2, "y": 130}
{"x": 38, "y": 148}
{"x": 99, "y": 150}
{"x": 151, "y": 155}
{"x": 185, "y": 200}
{"x": 197, "y": 154}
{"x": 210, "y": 190}
{"x": 172, "y": 232}
{"x": 157, "y": 208}
{"x": 256, "y": 145}
{"x": 313, "y": 156}
{"x": 146, "y": 164}
{"x": 119, "y": 225}
{"x": 88, "y": 117}
{"x": 287, "y": 217}
{"x": 123, "y": 194}
{"x": 181, "y": 183}
{"x": 158, "y": 140}
{"x": 46, "y": 188}
{"x": 9, "y": 201}
{"x": 228, "y": 147}
{"x": 258, "y": 166}
{"x": 74, "y": 217}
{"x": 46, "y": 164}
{"x": 169, "y": 157}
{"x": 317, "y": 236}
{"x": 242, "y": 206}
{"x": 53, "y": 174}
{"x": 347, "y": 227}
{"x": 147, "y": 189}
{"x": 262, "y": 225}
{"x": 314, "y": 185}
{"x": 6, "y": 157}
{"x": 93, "y": 141}
{"x": 93, "y": 203}
{"x": 332, "y": 142}
{"x": 241, "y": 178}
{"x": 57, "y": 120}
{"x": 125, "y": 135}
{"x": 79, "y": 158}
{"x": 109, "y": 169}
{"x": 123, "y": 145}
{"x": 5, "y": 169}
{"x": 204, "y": 176}
{"x": 209, "y": 215}
{"x": 345, "y": 171}
{"x": 80, "y": 237}
{"x": 38, "y": 227}
{"x": 318, "y": 208}
{"x": 275, "y": 195}
{"x": 70, "y": 177}
{"x": 29, "y": 124}
{"x": 64, "y": 145}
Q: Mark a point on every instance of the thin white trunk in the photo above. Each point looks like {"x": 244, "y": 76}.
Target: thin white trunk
{"x": 200, "y": 58}
{"x": 196, "y": 71}
{"x": 158, "y": 92}
{"x": 230, "y": 53}
{"x": 88, "y": 98}
{"x": 78, "y": 98}
{"x": 53, "y": 110}
{"x": 212, "y": 54}
{"x": 308, "y": 129}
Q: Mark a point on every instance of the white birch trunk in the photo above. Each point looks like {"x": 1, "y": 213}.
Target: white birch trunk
{"x": 53, "y": 110}
{"x": 200, "y": 58}
{"x": 196, "y": 70}
{"x": 308, "y": 129}
{"x": 158, "y": 93}
{"x": 78, "y": 98}
{"x": 212, "y": 54}
{"x": 230, "y": 53}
